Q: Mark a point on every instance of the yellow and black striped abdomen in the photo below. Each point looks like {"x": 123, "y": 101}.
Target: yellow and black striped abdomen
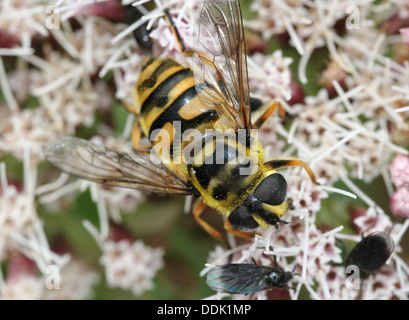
{"x": 168, "y": 100}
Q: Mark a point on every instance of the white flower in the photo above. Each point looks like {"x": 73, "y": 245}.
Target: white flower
{"x": 75, "y": 282}
{"x": 269, "y": 76}
{"x": 24, "y": 287}
{"x": 131, "y": 265}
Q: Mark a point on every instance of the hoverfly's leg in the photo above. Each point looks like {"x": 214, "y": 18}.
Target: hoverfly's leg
{"x": 270, "y": 110}
{"x": 129, "y": 107}
{"x": 198, "y": 209}
{"x": 136, "y": 131}
{"x": 284, "y": 163}
{"x": 238, "y": 233}
{"x": 136, "y": 135}
{"x": 182, "y": 47}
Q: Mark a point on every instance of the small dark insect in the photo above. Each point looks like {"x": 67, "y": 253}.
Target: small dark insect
{"x": 371, "y": 253}
{"x": 141, "y": 34}
{"x": 246, "y": 278}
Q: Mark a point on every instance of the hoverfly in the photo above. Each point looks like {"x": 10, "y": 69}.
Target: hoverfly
{"x": 247, "y": 278}
{"x": 212, "y": 94}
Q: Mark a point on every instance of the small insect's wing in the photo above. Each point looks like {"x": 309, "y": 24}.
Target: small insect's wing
{"x": 92, "y": 162}
{"x": 238, "y": 278}
{"x": 220, "y": 65}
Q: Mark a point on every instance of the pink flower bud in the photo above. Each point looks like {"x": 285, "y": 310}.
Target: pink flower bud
{"x": 297, "y": 94}
{"x": 404, "y": 32}
{"x": 8, "y": 40}
{"x": 400, "y": 203}
{"x": 399, "y": 170}
{"x": 20, "y": 265}
{"x": 110, "y": 9}
{"x": 355, "y": 213}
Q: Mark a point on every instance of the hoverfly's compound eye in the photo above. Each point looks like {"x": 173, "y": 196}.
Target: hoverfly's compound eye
{"x": 272, "y": 190}
{"x": 242, "y": 219}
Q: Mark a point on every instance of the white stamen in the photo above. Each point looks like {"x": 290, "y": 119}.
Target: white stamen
{"x": 94, "y": 232}
{"x": 313, "y": 294}
{"x": 403, "y": 109}
{"x": 88, "y": 32}
{"x": 62, "y": 179}
{"x": 5, "y": 88}
{"x": 298, "y": 44}
{"x": 388, "y": 181}
{"x": 302, "y": 65}
{"x": 16, "y": 51}
{"x": 305, "y": 247}
{"x": 117, "y": 54}
{"x": 335, "y": 146}
{"x": 60, "y": 192}
{"x": 360, "y": 193}
{"x": 3, "y": 176}
{"x": 65, "y": 43}
{"x": 342, "y": 95}
{"x": 76, "y": 72}
{"x": 402, "y": 231}
{"x": 324, "y": 285}
{"x": 291, "y": 133}
{"x": 103, "y": 217}
{"x": 128, "y": 30}
{"x": 128, "y": 125}
{"x": 337, "y": 190}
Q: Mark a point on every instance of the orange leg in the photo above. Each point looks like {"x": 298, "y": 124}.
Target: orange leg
{"x": 136, "y": 131}
{"x": 284, "y": 163}
{"x": 198, "y": 209}
{"x": 270, "y": 110}
{"x": 129, "y": 107}
{"x": 136, "y": 137}
{"x": 136, "y": 134}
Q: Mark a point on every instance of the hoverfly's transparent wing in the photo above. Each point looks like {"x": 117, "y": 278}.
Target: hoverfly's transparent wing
{"x": 238, "y": 278}
{"x": 220, "y": 65}
{"x": 92, "y": 162}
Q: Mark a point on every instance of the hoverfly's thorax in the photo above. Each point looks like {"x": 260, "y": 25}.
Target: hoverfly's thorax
{"x": 223, "y": 168}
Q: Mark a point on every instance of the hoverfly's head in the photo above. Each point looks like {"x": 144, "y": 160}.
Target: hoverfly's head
{"x": 264, "y": 206}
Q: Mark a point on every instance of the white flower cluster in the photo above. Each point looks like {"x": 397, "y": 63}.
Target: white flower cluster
{"x": 131, "y": 265}
{"x": 73, "y": 281}
{"x": 51, "y": 73}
